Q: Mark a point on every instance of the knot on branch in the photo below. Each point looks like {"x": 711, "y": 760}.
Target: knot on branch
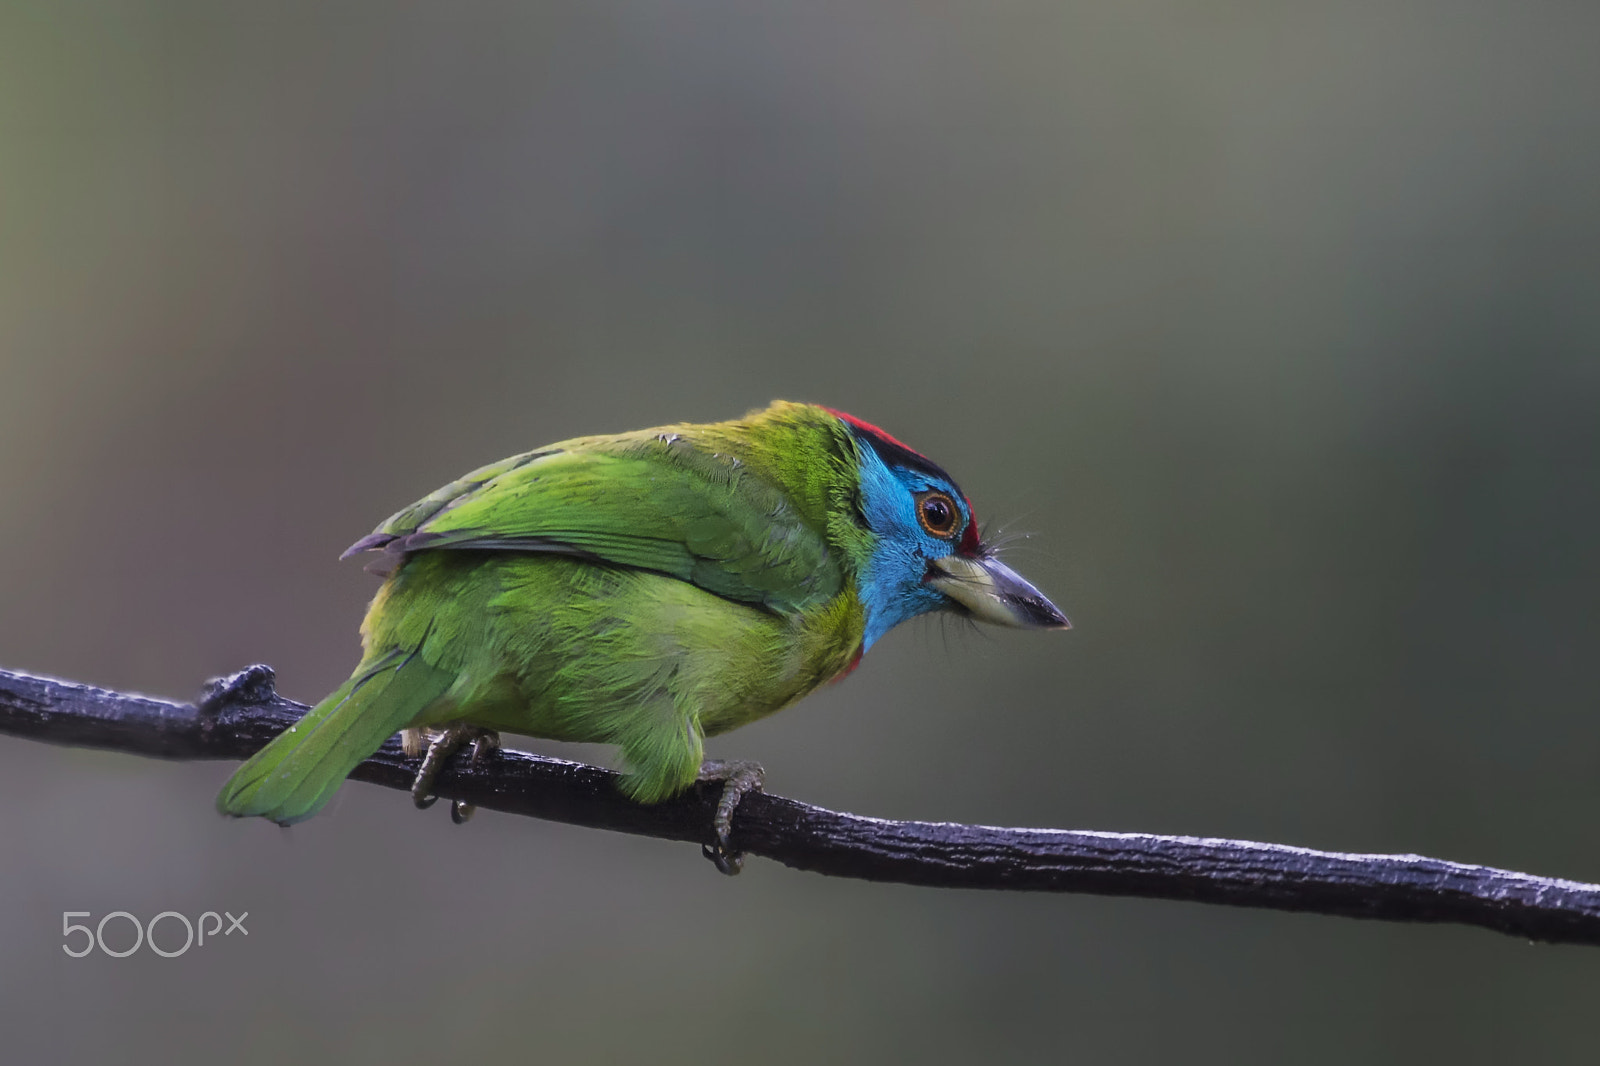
{"x": 255, "y": 684}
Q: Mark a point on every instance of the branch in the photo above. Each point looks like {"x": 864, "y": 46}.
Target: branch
{"x": 237, "y": 715}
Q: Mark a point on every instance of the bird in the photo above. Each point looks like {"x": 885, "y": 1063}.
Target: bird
{"x": 647, "y": 590}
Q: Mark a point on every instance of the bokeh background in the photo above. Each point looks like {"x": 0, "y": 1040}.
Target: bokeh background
{"x": 1275, "y": 324}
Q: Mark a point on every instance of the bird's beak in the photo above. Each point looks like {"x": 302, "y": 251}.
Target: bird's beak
{"x": 993, "y": 592}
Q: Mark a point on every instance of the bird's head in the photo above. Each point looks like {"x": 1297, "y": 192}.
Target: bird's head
{"x": 926, "y": 552}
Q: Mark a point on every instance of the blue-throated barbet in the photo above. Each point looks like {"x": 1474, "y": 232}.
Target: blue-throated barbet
{"x": 647, "y": 590}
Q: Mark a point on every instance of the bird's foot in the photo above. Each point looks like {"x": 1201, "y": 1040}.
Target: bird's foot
{"x": 442, "y": 744}
{"x": 738, "y": 780}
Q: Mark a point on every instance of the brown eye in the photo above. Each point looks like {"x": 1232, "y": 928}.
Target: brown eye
{"x": 937, "y": 513}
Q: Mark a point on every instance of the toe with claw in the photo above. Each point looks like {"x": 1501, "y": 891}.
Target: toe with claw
{"x": 441, "y": 746}
{"x": 738, "y": 780}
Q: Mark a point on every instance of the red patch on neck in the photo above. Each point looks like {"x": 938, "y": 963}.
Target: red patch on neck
{"x": 847, "y": 671}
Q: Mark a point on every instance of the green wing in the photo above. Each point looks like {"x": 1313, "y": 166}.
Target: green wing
{"x": 656, "y": 504}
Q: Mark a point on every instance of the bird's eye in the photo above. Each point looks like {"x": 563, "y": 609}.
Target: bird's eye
{"x": 937, "y": 513}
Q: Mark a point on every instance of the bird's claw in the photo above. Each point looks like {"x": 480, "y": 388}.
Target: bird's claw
{"x": 441, "y": 746}
{"x": 738, "y": 779}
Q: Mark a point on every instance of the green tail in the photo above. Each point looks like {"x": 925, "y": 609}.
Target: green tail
{"x": 291, "y": 778}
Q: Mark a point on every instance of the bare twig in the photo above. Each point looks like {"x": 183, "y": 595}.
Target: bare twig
{"x": 239, "y": 714}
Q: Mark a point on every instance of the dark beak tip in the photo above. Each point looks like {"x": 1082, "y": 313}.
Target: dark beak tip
{"x": 1043, "y": 614}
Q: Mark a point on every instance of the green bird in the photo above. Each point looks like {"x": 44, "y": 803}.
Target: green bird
{"x": 646, "y": 590}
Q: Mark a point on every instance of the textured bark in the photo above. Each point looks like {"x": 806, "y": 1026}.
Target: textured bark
{"x": 237, "y": 715}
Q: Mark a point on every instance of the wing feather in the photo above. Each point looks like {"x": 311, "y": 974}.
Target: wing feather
{"x": 653, "y": 504}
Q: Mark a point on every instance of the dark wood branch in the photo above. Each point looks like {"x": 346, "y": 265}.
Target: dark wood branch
{"x": 238, "y": 715}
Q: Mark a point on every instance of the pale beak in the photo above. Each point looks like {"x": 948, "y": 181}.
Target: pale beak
{"x": 993, "y": 592}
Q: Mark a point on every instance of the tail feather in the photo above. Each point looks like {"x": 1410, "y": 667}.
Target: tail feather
{"x": 291, "y": 778}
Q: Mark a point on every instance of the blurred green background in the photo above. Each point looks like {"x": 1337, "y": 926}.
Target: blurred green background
{"x": 1275, "y": 324}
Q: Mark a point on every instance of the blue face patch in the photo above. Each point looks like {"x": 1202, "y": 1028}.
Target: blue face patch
{"x": 892, "y": 588}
